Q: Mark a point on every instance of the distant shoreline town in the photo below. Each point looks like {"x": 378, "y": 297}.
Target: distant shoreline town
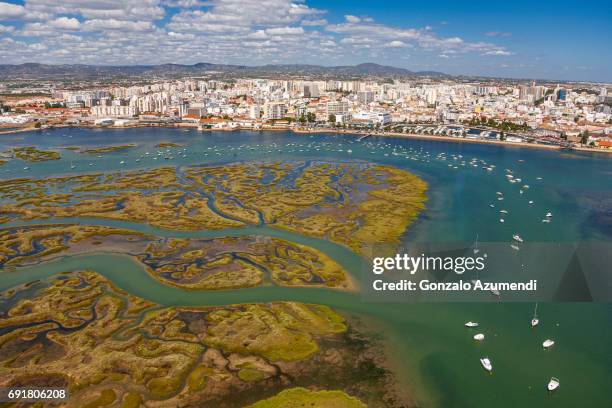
{"x": 503, "y": 112}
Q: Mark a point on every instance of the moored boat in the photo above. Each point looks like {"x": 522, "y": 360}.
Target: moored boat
{"x": 553, "y": 384}
{"x": 486, "y": 364}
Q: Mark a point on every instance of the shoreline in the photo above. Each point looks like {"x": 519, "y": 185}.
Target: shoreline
{"x": 434, "y": 138}
{"x": 444, "y": 139}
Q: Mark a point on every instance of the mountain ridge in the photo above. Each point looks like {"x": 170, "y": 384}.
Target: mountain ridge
{"x": 84, "y": 70}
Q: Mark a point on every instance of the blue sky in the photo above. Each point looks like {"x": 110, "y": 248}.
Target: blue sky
{"x": 522, "y": 39}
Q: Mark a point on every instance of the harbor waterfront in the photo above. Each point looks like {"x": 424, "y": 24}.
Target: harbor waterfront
{"x": 468, "y": 188}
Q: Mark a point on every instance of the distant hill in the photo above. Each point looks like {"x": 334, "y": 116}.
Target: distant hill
{"x": 79, "y": 71}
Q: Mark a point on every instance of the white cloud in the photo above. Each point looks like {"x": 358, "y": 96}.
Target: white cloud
{"x": 37, "y": 47}
{"x": 100, "y": 9}
{"x": 65, "y": 23}
{"x": 181, "y": 36}
{"x": 395, "y": 44}
{"x": 223, "y": 31}
{"x": 498, "y": 52}
{"x": 10, "y": 11}
{"x": 121, "y": 25}
{"x": 314, "y": 23}
{"x": 285, "y": 31}
{"x": 6, "y": 29}
{"x": 357, "y": 30}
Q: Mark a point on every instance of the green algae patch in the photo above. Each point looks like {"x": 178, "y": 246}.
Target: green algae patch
{"x": 161, "y": 388}
{"x": 131, "y": 400}
{"x": 301, "y": 397}
{"x": 197, "y": 379}
{"x": 108, "y": 149}
{"x": 278, "y": 332}
{"x": 106, "y": 398}
{"x": 249, "y": 373}
{"x": 33, "y": 154}
{"x": 167, "y": 144}
{"x": 132, "y": 352}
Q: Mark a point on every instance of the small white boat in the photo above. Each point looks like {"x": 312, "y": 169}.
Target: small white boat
{"x": 479, "y": 337}
{"x": 486, "y": 364}
{"x": 530, "y": 201}
{"x": 535, "y": 321}
{"x": 492, "y": 205}
{"x": 515, "y": 247}
{"x": 122, "y": 162}
{"x": 503, "y": 211}
{"x": 548, "y": 214}
{"x": 471, "y": 324}
{"x": 546, "y": 220}
{"x": 553, "y": 384}
{"x": 501, "y": 220}
{"x": 26, "y": 168}
{"x": 548, "y": 343}
{"x": 517, "y": 238}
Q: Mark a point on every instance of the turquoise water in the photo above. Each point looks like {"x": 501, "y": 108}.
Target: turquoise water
{"x": 435, "y": 354}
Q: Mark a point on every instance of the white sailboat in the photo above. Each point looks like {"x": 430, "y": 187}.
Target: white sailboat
{"x": 548, "y": 343}
{"x": 535, "y": 321}
{"x": 517, "y": 238}
{"x": 479, "y": 337}
{"x": 486, "y": 364}
{"x": 471, "y": 324}
{"x": 553, "y": 384}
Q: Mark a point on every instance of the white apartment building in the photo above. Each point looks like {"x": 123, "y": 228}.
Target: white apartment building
{"x": 114, "y": 111}
{"x": 275, "y": 110}
{"x": 337, "y": 107}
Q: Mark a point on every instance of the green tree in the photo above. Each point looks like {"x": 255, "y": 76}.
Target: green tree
{"x": 584, "y": 137}
{"x": 331, "y": 118}
{"x": 311, "y": 117}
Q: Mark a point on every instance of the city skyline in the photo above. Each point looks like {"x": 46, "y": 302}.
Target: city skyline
{"x": 521, "y": 40}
